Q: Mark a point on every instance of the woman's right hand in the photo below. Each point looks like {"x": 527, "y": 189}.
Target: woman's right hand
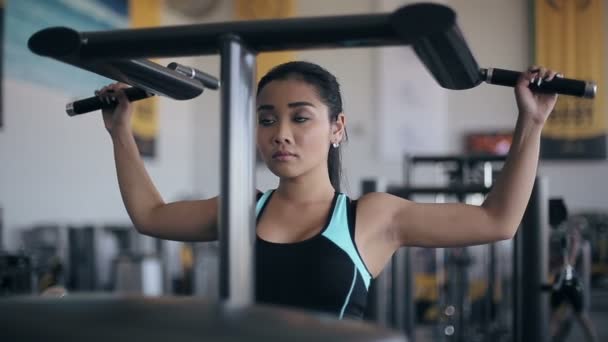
{"x": 118, "y": 117}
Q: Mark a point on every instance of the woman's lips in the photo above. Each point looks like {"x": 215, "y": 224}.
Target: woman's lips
{"x": 283, "y": 156}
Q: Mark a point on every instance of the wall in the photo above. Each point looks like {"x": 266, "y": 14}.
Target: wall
{"x": 57, "y": 169}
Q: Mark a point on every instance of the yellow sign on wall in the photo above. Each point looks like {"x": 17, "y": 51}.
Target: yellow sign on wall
{"x": 145, "y": 13}
{"x": 569, "y": 37}
{"x": 266, "y": 9}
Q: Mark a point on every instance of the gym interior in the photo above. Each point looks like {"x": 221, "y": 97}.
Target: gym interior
{"x": 67, "y": 241}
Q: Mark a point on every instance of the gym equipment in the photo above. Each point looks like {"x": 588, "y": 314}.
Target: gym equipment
{"x": 434, "y": 36}
{"x": 475, "y": 170}
{"x": 16, "y": 274}
{"x": 440, "y": 45}
{"x": 180, "y": 90}
{"x": 104, "y": 318}
{"x": 530, "y": 268}
{"x": 430, "y": 29}
{"x": 558, "y": 212}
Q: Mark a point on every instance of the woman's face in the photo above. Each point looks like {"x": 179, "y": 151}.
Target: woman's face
{"x": 293, "y": 132}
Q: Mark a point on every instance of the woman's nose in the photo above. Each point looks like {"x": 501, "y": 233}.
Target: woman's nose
{"x": 283, "y": 134}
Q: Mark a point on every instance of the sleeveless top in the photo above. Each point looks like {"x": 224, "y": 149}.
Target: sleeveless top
{"x": 324, "y": 273}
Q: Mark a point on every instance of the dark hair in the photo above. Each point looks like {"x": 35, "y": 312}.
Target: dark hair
{"x": 328, "y": 90}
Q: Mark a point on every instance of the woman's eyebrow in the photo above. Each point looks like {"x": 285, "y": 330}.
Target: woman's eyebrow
{"x": 300, "y": 104}
{"x": 265, "y": 107}
{"x": 290, "y": 105}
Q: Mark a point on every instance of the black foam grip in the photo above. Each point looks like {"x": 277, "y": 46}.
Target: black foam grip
{"x": 564, "y": 86}
{"x": 95, "y": 103}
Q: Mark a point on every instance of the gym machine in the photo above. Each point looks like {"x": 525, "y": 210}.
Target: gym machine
{"x": 431, "y": 30}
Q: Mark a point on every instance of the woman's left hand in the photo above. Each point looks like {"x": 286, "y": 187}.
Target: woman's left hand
{"x": 535, "y": 106}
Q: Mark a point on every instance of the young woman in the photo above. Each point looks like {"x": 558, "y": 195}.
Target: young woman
{"x": 316, "y": 248}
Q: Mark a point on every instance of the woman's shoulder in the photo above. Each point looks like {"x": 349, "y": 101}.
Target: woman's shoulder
{"x": 375, "y": 198}
{"x": 379, "y": 204}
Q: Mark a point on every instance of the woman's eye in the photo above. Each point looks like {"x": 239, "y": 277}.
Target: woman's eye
{"x": 265, "y": 122}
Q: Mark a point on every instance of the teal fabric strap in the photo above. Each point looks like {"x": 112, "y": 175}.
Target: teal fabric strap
{"x": 261, "y": 202}
{"x": 338, "y": 233}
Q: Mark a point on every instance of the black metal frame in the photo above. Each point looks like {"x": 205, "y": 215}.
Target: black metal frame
{"x": 118, "y": 53}
{"x": 530, "y": 269}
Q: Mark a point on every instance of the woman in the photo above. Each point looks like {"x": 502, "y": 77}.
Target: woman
{"x": 568, "y": 297}
{"x": 316, "y": 248}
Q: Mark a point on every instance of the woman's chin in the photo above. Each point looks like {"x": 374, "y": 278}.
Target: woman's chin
{"x": 283, "y": 170}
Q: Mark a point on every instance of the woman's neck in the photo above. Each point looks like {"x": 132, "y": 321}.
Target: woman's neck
{"x": 306, "y": 188}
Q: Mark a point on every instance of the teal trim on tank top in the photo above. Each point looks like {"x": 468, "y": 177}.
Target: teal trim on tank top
{"x": 338, "y": 233}
{"x": 350, "y": 292}
{"x": 261, "y": 202}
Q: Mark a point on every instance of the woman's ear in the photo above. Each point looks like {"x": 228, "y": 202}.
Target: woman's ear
{"x": 338, "y": 128}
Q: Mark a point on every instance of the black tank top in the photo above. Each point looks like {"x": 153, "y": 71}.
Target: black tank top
{"x": 324, "y": 273}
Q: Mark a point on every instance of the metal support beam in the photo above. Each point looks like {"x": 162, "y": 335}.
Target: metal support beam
{"x": 237, "y": 220}
{"x": 403, "y": 293}
{"x": 531, "y": 305}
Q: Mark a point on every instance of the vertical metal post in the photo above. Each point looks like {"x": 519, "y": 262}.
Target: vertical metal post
{"x": 531, "y": 307}
{"x": 398, "y": 290}
{"x": 489, "y": 313}
{"x": 409, "y": 324}
{"x": 236, "y": 219}
{"x": 518, "y": 274}
{"x": 407, "y": 170}
{"x": 1, "y": 229}
{"x": 402, "y": 291}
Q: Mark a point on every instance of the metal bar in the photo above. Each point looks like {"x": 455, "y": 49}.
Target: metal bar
{"x": 398, "y": 290}
{"x": 403, "y": 311}
{"x": 203, "y": 39}
{"x": 407, "y": 170}
{"x": 441, "y": 276}
{"x": 517, "y": 288}
{"x": 409, "y": 305}
{"x": 1, "y": 226}
{"x": 489, "y": 314}
{"x": 532, "y": 319}
{"x": 461, "y": 283}
{"x": 237, "y": 220}
{"x": 144, "y": 74}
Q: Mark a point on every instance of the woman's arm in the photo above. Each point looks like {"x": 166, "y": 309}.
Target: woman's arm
{"x": 442, "y": 225}
{"x": 185, "y": 220}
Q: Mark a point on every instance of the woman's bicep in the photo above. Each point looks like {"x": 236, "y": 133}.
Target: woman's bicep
{"x": 184, "y": 221}
{"x": 441, "y": 224}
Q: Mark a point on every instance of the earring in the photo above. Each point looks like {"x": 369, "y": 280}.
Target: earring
{"x": 336, "y": 145}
